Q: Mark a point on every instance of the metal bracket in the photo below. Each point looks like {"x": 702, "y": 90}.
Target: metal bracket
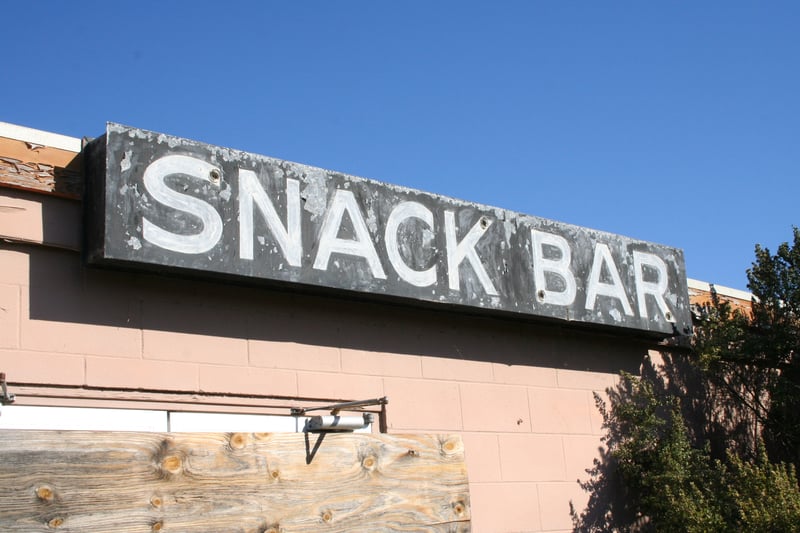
{"x": 336, "y": 407}
{"x": 5, "y": 397}
{"x": 334, "y": 422}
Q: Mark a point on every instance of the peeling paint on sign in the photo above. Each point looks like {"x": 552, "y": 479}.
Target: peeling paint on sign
{"x": 160, "y": 202}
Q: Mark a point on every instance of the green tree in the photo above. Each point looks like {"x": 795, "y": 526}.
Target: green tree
{"x": 775, "y": 342}
{"x": 709, "y": 440}
{"x": 756, "y": 357}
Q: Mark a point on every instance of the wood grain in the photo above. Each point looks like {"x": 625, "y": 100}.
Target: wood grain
{"x": 40, "y": 168}
{"x": 74, "y": 481}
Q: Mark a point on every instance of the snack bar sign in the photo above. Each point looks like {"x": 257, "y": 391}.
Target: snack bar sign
{"x": 165, "y": 203}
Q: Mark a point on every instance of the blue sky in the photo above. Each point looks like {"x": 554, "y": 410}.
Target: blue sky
{"x": 672, "y": 122}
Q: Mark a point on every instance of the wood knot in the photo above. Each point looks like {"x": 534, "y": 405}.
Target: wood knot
{"x": 412, "y": 453}
{"x": 157, "y": 526}
{"x": 45, "y": 493}
{"x": 156, "y": 501}
{"x": 275, "y": 474}
{"x": 449, "y": 446}
{"x": 238, "y": 441}
{"x": 327, "y": 516}
{"x": 459, "y": 508}
{"x": 266, "y": 527}
{"x": 172, "y": 464}
{"x": 368, "y": 463}
{"x": 55, "y": 522}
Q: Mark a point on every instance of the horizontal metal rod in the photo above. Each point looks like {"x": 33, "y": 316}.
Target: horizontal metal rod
{"x": 335, "y": 408}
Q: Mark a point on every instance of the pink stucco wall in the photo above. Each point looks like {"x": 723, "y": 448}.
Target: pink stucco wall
{"x": 520, "y": 394}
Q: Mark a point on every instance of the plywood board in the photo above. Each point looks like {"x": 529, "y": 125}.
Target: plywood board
{"x": 72, "y": 481}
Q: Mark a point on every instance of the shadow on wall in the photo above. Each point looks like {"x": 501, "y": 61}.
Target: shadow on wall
{"x": 62, "y": 289}
{"x": 713, "y": 421}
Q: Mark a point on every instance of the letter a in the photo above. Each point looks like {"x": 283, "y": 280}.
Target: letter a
{"x": 329, "y": 241}
{"x": 615, "y": 289}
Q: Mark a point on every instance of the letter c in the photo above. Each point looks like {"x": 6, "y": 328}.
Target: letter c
{"x": 403, "y": 211}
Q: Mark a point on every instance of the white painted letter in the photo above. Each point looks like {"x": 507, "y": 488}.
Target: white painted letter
{"x": 457, "y": 251}
{"x": 654, "y": 288}
{"x": 560, "y": 267}
{"x": 154, "y": 175}
{"x": 602, "y": 255}
{"x": 329, "y": 241}
{"x": 289, "y": 237}
{"x": 401, "y": 212}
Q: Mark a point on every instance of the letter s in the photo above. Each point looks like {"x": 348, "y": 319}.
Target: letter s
{"x": 154, "y": 175}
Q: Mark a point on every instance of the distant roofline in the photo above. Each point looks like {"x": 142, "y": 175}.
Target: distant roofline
{"x": 44, "y": 138}
{"x": 721, "y": 290}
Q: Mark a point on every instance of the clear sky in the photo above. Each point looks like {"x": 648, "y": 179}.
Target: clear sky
{"x": 672, "y": 122}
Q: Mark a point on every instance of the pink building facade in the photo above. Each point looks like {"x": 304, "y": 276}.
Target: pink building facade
{"x": 520, "y": 393}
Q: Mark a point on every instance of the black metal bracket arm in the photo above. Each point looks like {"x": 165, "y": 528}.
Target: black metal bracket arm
{"x": 336, "y": 407}
{"x": 5, "y": 397}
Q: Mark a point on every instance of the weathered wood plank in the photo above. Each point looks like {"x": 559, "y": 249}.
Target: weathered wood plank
{"x": 40, "y": 168}
{"x": 242, "y": 482}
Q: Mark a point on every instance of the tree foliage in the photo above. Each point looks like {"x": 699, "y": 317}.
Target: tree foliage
{"x": 708, "y": 441}
{"x": 757, "y": 356}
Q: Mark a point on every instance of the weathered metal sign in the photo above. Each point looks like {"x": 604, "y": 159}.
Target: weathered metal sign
{"x": 156, "y": 201}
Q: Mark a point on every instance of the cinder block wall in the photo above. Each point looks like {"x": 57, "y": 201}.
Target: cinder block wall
{"x": 520, "y": 394}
